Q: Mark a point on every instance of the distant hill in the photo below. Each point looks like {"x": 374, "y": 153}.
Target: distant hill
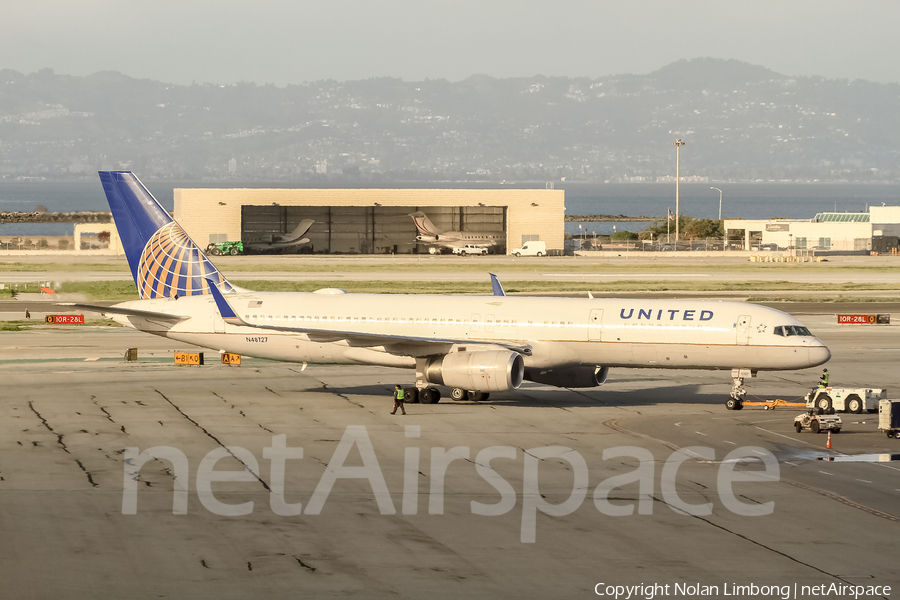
{"x": 740, "y": 122}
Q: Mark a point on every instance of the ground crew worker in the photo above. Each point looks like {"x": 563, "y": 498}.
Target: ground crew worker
{"x": 823, "y": 380}
{"x": 399, "y": 396}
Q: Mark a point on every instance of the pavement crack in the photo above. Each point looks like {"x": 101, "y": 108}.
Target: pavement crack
{"x": 756, "y": 543}
{"x": 304, "y": 565}
{"x": 215, "y": 439}
{"x": 340, "y": 395}
{"x": 843, "y": 500}
{"x": 103, "y": 410}
{"x": 62, "y": 444}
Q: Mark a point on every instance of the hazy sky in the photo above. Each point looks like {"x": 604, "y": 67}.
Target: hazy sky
{"x": 281, "y": 42}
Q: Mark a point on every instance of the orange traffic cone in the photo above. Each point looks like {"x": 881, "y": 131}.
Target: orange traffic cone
{"x": 828, "y": 443}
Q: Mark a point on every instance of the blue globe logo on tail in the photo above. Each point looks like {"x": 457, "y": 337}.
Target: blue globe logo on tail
{"x": 171, "y": 264}
{"x": 163, "y": 259}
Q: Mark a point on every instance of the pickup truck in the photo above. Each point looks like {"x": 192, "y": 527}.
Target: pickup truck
{"x": 470, "y": 249}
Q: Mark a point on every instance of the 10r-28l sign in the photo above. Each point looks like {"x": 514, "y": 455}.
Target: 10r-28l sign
{"x": 864, "y": 319}
{"x": 65, "y": 319}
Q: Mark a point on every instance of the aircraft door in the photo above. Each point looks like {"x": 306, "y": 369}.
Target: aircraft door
{"x": 595, "y": 321}
{"x": 743, "y": 330}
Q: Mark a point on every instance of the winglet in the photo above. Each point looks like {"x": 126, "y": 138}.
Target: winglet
{"x": 495, "y": 285}
{"x": 228, "y": 314}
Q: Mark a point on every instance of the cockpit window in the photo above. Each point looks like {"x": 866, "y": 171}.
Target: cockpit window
{"x": 791, "y": 330}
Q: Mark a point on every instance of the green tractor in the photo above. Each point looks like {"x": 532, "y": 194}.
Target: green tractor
{"x": 232, "y": 248}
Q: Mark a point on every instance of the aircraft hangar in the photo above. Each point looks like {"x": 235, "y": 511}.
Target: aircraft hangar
{"x": 370, "y": 221}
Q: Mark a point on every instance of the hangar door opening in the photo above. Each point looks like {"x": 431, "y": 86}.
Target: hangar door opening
{"x": 368, "y": 229}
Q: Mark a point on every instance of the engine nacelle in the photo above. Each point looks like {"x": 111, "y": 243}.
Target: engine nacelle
{"x": 482, "y": 371}
{"x": 569, "y": 377}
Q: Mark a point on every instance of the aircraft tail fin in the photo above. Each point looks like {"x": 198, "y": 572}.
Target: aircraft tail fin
{"x": 424, "y": 224}
{"x": 164, "y": 261}
{"x": 299, "y": 231}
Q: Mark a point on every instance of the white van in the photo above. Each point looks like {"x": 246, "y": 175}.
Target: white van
{"x": 532, "y": 248}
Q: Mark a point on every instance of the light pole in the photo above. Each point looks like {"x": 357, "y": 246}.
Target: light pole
{"x": 720, "y": 201}
{"x": 678, "y": 144}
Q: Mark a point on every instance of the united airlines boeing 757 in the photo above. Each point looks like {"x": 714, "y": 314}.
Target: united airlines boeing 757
{"x": 473, "y": 344}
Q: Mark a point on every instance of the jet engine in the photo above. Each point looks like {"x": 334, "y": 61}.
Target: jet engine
{"x": 482, "y": 371}
{"x": 569, "y": 377}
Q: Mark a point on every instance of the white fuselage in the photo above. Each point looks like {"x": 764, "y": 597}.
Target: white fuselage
{"x": 458, "y": 239}
{"x": 677, "y": 334}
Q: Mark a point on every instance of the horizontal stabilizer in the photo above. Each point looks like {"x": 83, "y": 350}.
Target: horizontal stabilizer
{"x": 130, "y": 312}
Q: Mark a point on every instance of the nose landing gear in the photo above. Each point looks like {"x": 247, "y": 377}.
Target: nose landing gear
{"x": 738, "y": 391}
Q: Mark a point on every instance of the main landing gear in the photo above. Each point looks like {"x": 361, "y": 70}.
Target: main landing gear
{"x": 432, "y": 395}
{"x": 459, "y": 394}
{"x": 428, "y": 395}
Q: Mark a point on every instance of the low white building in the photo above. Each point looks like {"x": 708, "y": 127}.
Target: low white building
{"x": 826, "y": 232}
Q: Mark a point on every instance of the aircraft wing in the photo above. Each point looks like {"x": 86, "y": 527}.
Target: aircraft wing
{"x": 130, "y": 312}
{"x": 395, "y": 344}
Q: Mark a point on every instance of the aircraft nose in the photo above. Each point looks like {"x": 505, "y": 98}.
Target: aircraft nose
{"x": 819, "y": 354}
